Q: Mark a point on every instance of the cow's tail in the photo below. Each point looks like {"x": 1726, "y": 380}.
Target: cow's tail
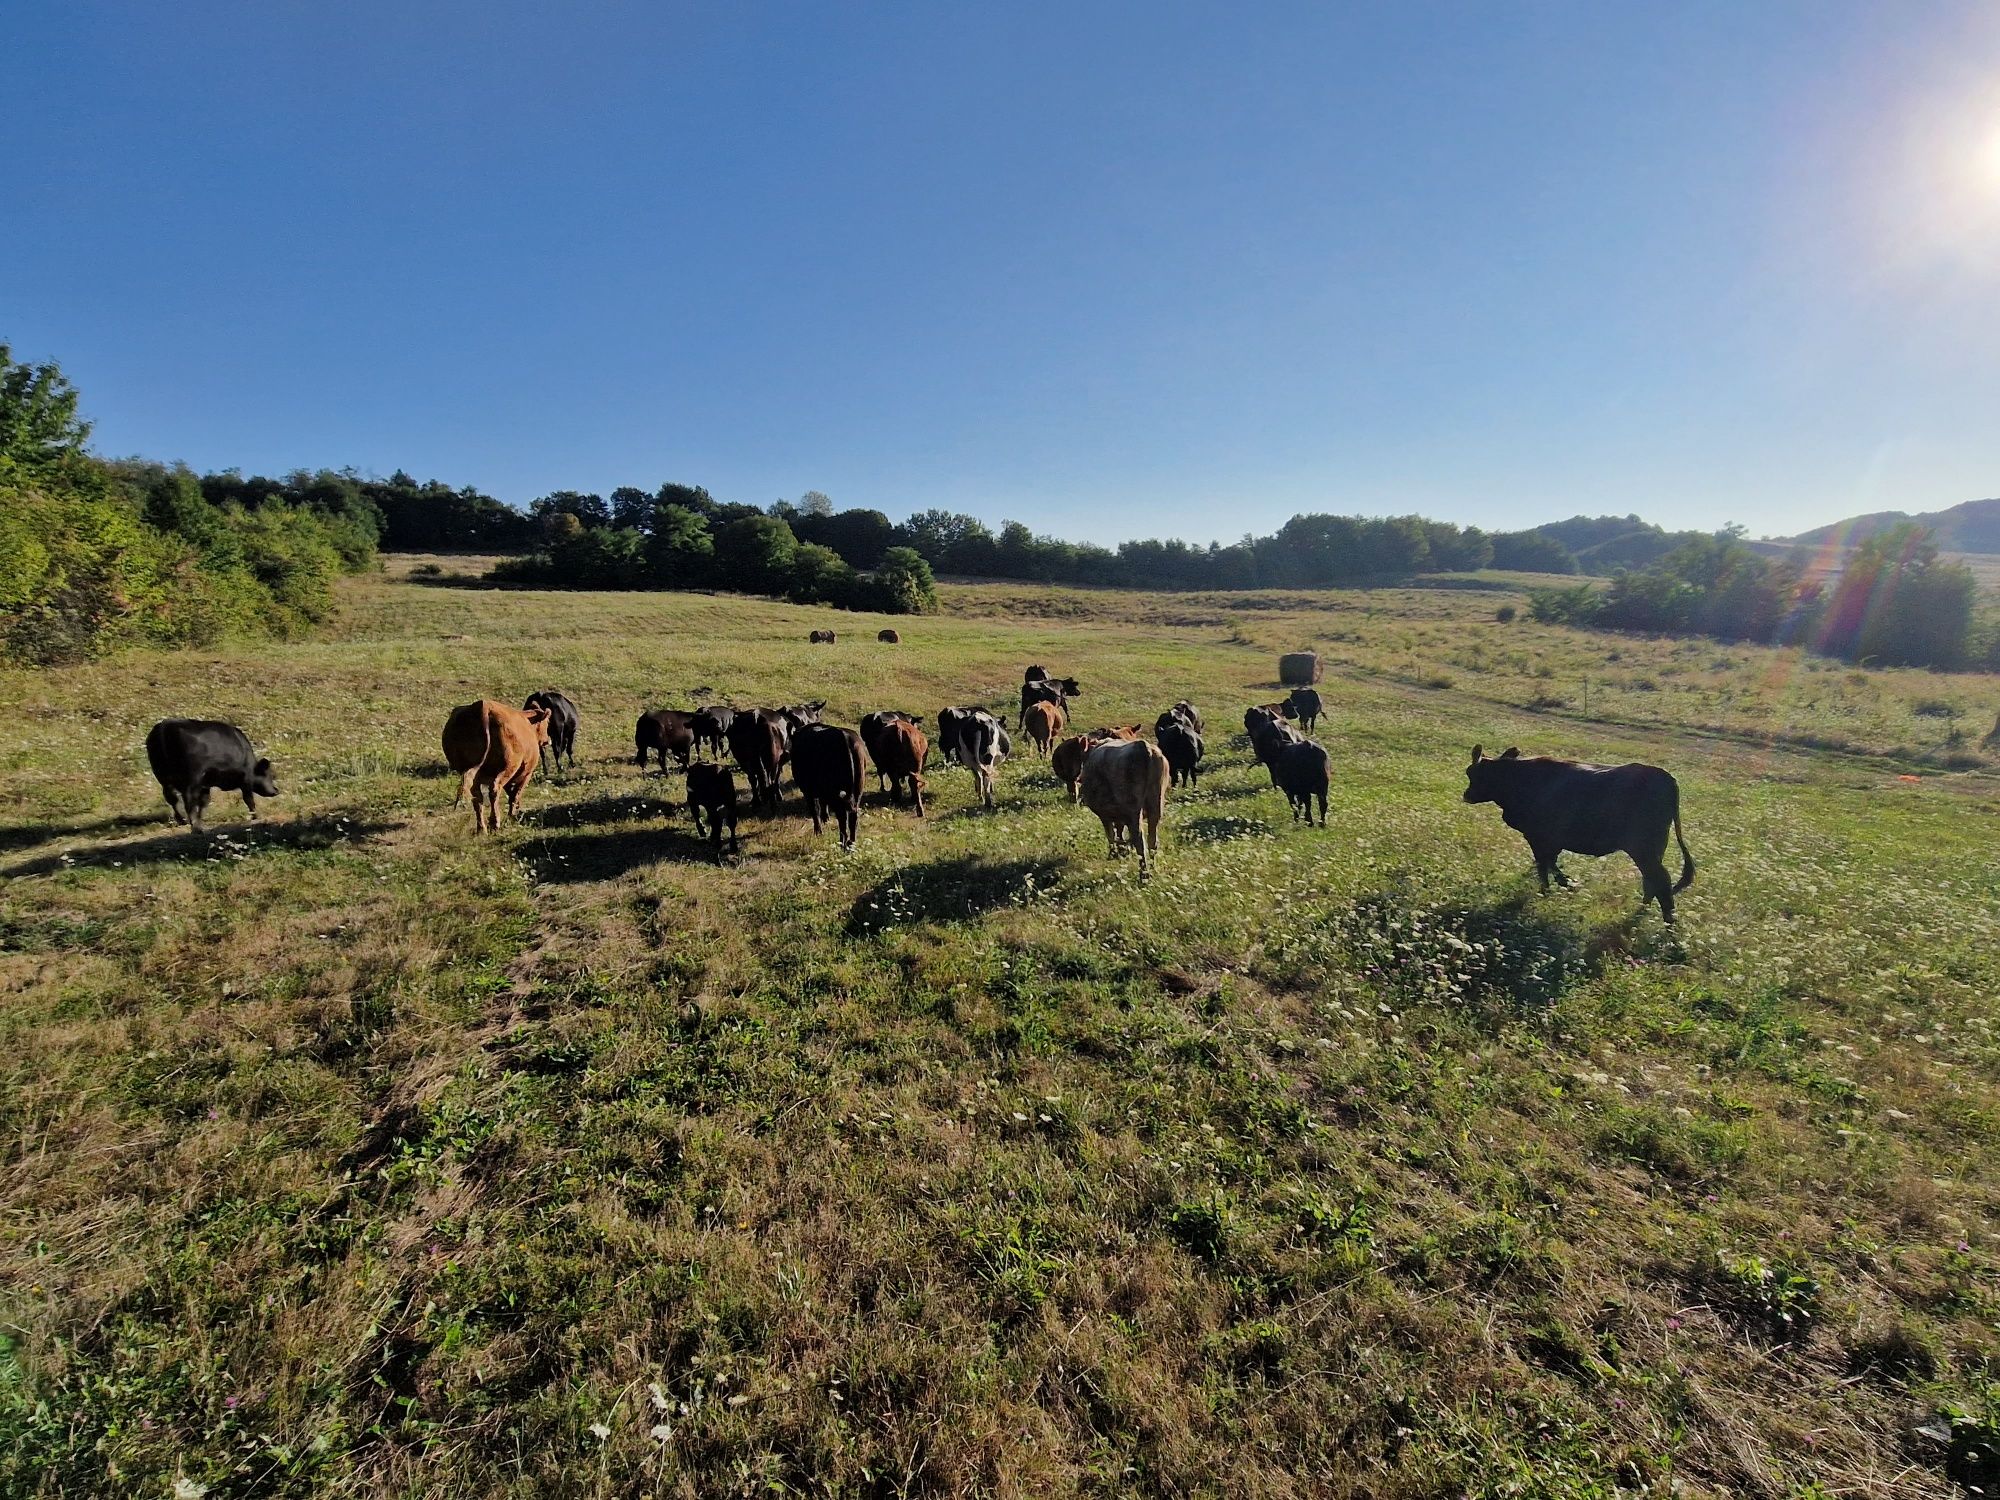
{"x": 639, "y": 739}
{"x": 859, "y": 763}
{"x": 1687, "y": 859}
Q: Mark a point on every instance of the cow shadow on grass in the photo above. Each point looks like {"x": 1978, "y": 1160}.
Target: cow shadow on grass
{"x": 28, "y": 835}
{"x": 958, "y": 888}
{"x": 595, "y": 812}
{"x": 585, "y": 857}
{"x": 233, "y": 840}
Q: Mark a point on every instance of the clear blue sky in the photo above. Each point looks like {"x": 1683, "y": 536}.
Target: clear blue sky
{"x": 1112, "y": 270}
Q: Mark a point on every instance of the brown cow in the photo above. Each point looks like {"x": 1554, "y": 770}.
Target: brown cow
{"x": 1066, "y": 760}
{"x": 1565, "y": 805}
{"x": 1115, "y": 732}
{"x": 899, "y": 749}
{"x": 1125, "y": 784}
{"x": 494, "y": 746}
{"x": 760, "y": 744}
{"x": 1042, "y": 723}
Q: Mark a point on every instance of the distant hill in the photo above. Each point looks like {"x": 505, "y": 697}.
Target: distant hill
{"x": 1603, "y": 544}
{"x": 1971, "y": 527}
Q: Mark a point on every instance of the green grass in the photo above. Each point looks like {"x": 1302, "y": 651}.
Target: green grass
{"x": 348, "y": 1153}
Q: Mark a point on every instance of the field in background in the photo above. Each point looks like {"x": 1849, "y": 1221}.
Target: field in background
{"x": 349, "y": 1153}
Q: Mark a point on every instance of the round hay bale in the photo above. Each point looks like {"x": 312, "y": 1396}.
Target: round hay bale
{"x": 889, "y": 637}
{"x": 1300, "y": 668}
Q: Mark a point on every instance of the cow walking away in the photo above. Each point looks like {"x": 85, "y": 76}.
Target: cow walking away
{"x": 976, "y": 740}
{"x": 896, "y": 743}
{"x": 1269, "y": 735}
{"x": 1567, "y": 807}
{"x": 662, "y": 730}
{"x": 1301, "y": 772}
{"x": 193, "y": 757}
{"x": 1125, "y": 784}
{"x": 760, "y": 743}
{"x": 1056, "y": 690}
{"x": 1042, "y": 722}
{"x": 712, "y": 790}
{"x": 1066, "y": 760}
{"x": 1304, "y": 705}
{"x": 1180, "y": 743}
{"x": 1188, "y": 715}
{"x": 563, "y": 719}
{"x": 827, "y": 765}
{"x": 710, "y": 729}
{"x": 494, "y": 748}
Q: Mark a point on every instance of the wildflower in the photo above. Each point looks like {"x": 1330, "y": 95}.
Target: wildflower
{"x": 600, "y": 1431}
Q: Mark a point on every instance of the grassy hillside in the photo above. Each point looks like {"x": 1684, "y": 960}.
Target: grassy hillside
{"x": 347, "y": 1153}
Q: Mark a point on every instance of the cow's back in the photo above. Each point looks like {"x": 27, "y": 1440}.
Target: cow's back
{"x": 1588, "y": 809}
{"x": 466, "y": 737}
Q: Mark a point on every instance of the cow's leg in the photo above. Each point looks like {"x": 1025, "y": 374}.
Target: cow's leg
{"x": 1655, "y": 882}
{"x": 196, "y": 799}
{"x": 1322, "y": 810}
{"x": 694, "y": 812}
{"x": 173, "y": 803}
{"x": 734, "y": 845}
{"x": 813, "y": 806}
{"x": 1544, "y": 861}
{"x": 250, "y": 801}
{"x": 917, "y": 792}
{"x": 851, "y": 818}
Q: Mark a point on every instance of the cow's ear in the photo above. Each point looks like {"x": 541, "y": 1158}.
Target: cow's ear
{"x": 1478, "y": 754}
{"x": 1512, "y": 752}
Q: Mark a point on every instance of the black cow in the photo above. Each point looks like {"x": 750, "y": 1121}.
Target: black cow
{"x": 563, "y": 720}
{"x": 192, "y": 757}
{"x": 976, "y": 740}
{"x": 1303, "y": 705}
{"x": 827, "y": 765}
{"x": 710, "y": 728}
{"x": 1565, "y": 806}
{"x": 1301, "y": 771}
{"x": 712, "y": 790}
{"x": 662, "y": 730}
{"x": 1188, "y": 715}
{"x": 1182, "y": 747}
{"x": 1268, "y": 741}
{"x": 759, "y": 742}
{"x": 1035, "y": 674}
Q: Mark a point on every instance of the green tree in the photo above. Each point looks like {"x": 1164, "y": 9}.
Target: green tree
{"x": 755, "y": 554}
{"x": 40, "y": 430}
{"x": 680, "y": 550}
{"x": 903, "y": 585}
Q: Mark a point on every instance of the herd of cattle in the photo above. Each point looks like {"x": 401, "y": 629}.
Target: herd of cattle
{"x": 1558, "y": 806}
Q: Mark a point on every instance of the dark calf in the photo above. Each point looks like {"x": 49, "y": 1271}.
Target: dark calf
{"x": 712, "y": 790}
{"x": 1565, "y": 806}
{"x": 563, "y": 719}
{"x": 1182, "y": 747}
{"x": 192, "y": 757}
{"x": 710, "y": 728}
{"x": 758, "y": 741}
{"x": 662, "y": 730}
{"x": 1303, "y": 705}
{"x": 1302, "y": 772}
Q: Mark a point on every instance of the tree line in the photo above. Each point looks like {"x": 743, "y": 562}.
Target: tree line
{"x": 96, "y": 554}
{"x": 1896, "y": 602}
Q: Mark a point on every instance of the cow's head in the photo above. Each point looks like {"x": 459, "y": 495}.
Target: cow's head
{"x": 539, "y": 717}
{"x": 1069, "y": 687}
{"x": 263, "y": 780}
{"x": 1482, "y": 781}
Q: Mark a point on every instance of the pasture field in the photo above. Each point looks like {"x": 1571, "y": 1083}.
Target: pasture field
{"x": 346, "y": 1153}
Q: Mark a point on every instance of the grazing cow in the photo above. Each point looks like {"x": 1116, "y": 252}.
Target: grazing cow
{"x": 192, "y": 757}
{"x": 1565, "y": 806}
{"x": 1066, "y": 760}
{"x": 888, "y": 637}
{"x": 827, "y": 765}
{"x": 1042, "y": 722}
{"x": 1035, "y": 674}
{"x": 1268, "y": 741}
{"x": 759, "y": 743}
{"x": 563, "y": 720}
{"x": 494, "y": 747}
{"x": 1182, "y": 747}
{"x": 821, "y": 638}
{"x": 1125, "y": 784}
{"x": 976, "y": 740}
{"x": 662, "y": 730}
{"x": 1303, "y": 705}
{"x": 1301, "y": 771}
{"x": 712, "y": 790}
{"x": 899, "y": 749}
{"x": 710, "y": 728}
{"x": 1187, "y": 713}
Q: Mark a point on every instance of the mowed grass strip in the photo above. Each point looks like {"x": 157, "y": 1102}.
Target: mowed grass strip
{"x": 348, "y": 1153}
